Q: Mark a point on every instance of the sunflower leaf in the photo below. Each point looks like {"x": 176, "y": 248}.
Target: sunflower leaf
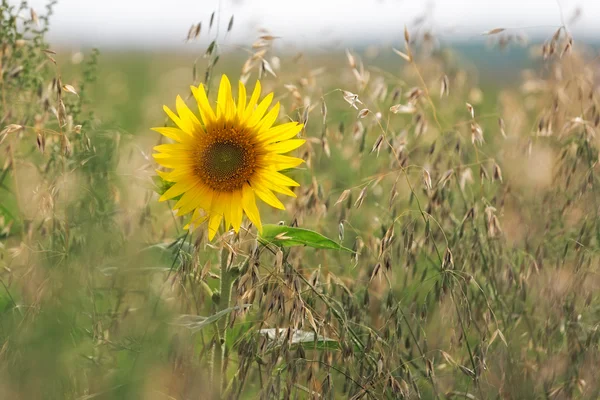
{"x": 277, "y": 336}
{"x": 286, "y": 236}
{"x": 160, "y": 185}
{"x": 196, "y": 323}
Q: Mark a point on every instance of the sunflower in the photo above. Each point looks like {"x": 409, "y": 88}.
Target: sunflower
{"x": 219, "y": 163}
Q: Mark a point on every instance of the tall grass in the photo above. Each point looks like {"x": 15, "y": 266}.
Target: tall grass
{"x": 472, "y": 216}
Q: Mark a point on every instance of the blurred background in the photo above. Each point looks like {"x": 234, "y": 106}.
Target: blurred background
{"x": 145, "y": 47}
{"x": 474, "y": 163}
{"x": 140, "y": 24}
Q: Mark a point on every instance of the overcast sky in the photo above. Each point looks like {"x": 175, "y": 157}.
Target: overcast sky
{"x": 164, "y": 23}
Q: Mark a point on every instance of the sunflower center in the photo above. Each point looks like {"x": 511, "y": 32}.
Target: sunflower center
{"x": 224, "y": 159}
{"x": 227, "y": 159}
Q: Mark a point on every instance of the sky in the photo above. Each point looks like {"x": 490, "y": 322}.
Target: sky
{"x": 153, "y": 24}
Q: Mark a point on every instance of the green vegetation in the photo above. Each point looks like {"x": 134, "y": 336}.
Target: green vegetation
{"x": 443, "y": 243}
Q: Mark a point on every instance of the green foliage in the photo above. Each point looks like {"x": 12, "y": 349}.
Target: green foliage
{"x": 287, "y": 236}
{"x": 474, "y": 258}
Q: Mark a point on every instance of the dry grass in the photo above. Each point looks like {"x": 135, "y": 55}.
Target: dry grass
{"x": 472, "y": 215}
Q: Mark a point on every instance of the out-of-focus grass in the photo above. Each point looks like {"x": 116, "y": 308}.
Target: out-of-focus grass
{"x": 480, "y": 284}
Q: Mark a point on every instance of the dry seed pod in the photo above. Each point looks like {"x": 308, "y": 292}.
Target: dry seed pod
{"x": 471, "y": 110}
{"x": 566, "y": 49}
{"x": 247, "y": 67}
{"x": 361, "y": 197}
{"x": 445, "y": 178}
{"x": 427, "y": 179}
{"x": 363, "y": 113}
{"x": 421, "y": 125}
{"x": 483, "y": 174}
{"x": 414, "y": 94}
{"x": 342, "y": 197}
{"x": 501, "y": 124}
{"x": 10, "y": 129}
{"x": 190, "y": 34}
{"x": 351, "y": 98}
{"x": 61, "y": 113}
{"x": 556, "y": 35}
{"x": 324, "y": 110}
{"x": 476, "y": 134}
{"x": 70, "y": 89}
{"x": 445, "y": 86}
{"x": 494, "y": 31}
{"x": 34, "y": 17}
{"x": 466, "y": 176}
{"x": 493, "y": 226}
{"x": 377, "y": 144}
{"x": 212, "y": 19}
{"x": 326, "y": 149}
{"x": 267, "y": 67}
{"x": 41, "y": 141}
{"x": 497, "y": 172}
{"x": 375, "y": 271}
{"x": 351, "y": 60}
{"x": 403, "y": 109}
{"x": 65, "y": 146}
{"x": 276, "y": 63}
{"x": 393, "y": 195}
{"x": 403, "y": 55}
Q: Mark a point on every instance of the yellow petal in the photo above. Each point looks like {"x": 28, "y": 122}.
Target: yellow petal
{"x": 236, "y": 210}
{"x": 175, "y": 175}
{"x": 269, "y": 119}
{"x": 241, "y": 106}
{"x": 171, "y": 156}
{"x": 171, "y": 133}
{"x": 266, "y": 195}
{"x": 206, "y": 112}
{"x": 225, "y": 200}
{"x": 285, "y": 146}
{"x": 279, "y": 162}
{"x": 171, "y": 161}
{"x": 277, "y": 178}
{"x": 279, "y": 189}
{"x": 249, "y": 205}
{"x": 197, "y": 219}
{"x": 174, "y": 148}
{"x": 188, "y": 116}
{"x": 225, "y": 104}
{"x": 166, "y": 176}
{"x": 178, "y": 188}
{"x": 252, "y": 103}
{"x": 199, "y": 196}
{"x": 281, "y": 132}
{"x": 183, "y": 124}
{"x": 213, "y": 225}
{"x": 216, "y": 215}
{"x": 260, "y": 110}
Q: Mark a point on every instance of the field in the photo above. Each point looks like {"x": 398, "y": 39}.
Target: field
{"x": 443, "y": 242}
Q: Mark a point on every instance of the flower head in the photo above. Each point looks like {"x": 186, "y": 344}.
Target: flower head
{"x": 219, "y": 163}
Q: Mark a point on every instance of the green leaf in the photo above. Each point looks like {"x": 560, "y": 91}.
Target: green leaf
{"x": 287, "y": 236}
{"x": 170, "y": 254}
{"x": 277, "y": 335}
{"x": 196, "y": 323}
{"x": 160, "y": 185}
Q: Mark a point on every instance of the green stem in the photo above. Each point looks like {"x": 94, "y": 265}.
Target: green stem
{"x": 227, "y": 277}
